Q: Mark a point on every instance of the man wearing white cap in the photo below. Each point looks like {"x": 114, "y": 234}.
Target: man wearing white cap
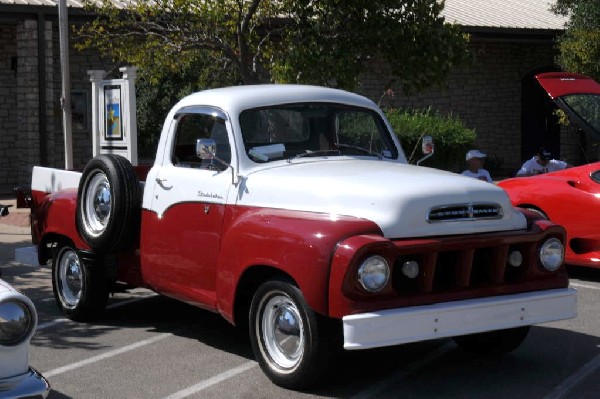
{"x": 475, "y": 166}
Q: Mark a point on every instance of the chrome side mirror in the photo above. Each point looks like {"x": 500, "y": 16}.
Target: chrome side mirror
{"x": 427, "y": 147}
{"x": 206, "y": 148}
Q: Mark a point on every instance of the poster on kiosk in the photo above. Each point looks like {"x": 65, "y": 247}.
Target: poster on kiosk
{"x": 114, "y": 119}
{"x": 113, "y": 128}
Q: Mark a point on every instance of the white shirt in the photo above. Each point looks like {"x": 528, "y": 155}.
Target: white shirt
{"x": 481, "y": 174}
{"x": 532, "y": 167}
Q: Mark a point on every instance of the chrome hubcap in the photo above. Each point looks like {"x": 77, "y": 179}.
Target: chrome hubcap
{"x": 98, "y": 204}
{"x": 70, "y": 278}
{"x": 282, "y": 331}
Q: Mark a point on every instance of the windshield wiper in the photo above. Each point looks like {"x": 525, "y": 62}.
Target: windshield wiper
{"x": 310, "y": 153}
{"x": 355, "y": 147}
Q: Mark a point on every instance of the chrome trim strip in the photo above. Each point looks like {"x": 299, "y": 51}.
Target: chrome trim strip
{"x": 466, "y": 212}
{"x": 25, "y": 386}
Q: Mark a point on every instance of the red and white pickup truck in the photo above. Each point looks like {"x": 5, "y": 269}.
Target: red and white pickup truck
{"x": 292, "y": 211}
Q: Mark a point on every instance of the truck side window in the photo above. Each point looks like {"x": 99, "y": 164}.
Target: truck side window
{"x": 194, "y": 126}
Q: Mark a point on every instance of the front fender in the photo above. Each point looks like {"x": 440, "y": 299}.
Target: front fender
{"x": 54, "y": 215}
{"x": 299, "y": 244}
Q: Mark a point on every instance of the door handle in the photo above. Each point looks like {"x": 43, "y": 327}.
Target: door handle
{"x": 161, "y": 183}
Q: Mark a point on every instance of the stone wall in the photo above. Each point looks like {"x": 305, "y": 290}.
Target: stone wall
{"x": 19, "y": 102}
{"x": 8, "y": 103}
{"x": 486, "y": 95}
{"x": 27, "y": 145}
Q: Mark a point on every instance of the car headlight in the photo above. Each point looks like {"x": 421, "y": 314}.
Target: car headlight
{"x": 373, "y": 273}
{"x": 16, "y": 322}
{"x": 552, "y": 253}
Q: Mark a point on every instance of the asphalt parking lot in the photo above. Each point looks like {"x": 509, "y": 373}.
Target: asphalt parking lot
{"x": 148, "y": 346}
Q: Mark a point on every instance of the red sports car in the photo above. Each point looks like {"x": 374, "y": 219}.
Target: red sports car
{"x": 570, "y": 197}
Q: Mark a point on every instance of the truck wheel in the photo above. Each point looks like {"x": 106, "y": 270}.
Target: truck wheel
{"x": 108, "y": 204}
{"x": 80, "y": 288}
{"x": 493, "y": 342}
{"x": 288, "y": 338}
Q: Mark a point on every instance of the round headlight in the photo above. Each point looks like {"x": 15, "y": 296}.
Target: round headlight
{"x": 552, "y": 254}
{"x": 373, "y": 274}
{"x": 16, "y": 322}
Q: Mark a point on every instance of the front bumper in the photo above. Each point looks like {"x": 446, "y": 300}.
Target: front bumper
{"x": 421, "y": 323}
{"x": 25, "y": 386}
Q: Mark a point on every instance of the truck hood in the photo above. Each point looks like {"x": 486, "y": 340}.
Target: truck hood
{"x": 397, "y": 197}
{"x": 578, "y": 96}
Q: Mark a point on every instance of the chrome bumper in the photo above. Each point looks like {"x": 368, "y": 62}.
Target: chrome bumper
{"x": 421, "y": 323}
{"x": 30, "y": 385}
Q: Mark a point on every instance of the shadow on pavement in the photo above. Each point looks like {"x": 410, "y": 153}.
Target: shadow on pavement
{"x": 547, "y": 357}
{"x": 584, "y": 273}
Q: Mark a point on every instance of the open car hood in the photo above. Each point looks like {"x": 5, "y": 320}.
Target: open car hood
{"x": 578, "y": 96}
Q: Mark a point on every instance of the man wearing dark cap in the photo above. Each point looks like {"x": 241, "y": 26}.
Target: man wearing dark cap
{"x": 541, "y": 163}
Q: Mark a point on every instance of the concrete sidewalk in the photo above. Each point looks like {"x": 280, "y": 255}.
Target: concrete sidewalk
{"x": 16, "y": 217}
{"x": 14, "y": 232}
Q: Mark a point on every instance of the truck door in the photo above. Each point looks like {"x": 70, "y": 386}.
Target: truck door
{"x": 181, "y": 233}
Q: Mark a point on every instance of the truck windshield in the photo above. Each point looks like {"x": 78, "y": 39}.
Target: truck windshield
{"x": 314, "y": 129}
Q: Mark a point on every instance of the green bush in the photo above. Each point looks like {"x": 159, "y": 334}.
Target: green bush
{"x": 451, "y": 137}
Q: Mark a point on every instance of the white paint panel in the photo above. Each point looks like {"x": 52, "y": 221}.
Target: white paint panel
{"x": 51, "y": 180}
{"x": 396, "y": 196}
{"x": 421, "y": 323}
{"x": 14, "y": 359}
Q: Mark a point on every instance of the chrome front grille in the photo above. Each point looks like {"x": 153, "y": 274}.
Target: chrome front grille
{"x": 450, "y": 271}
{"x": 470, "y": 211}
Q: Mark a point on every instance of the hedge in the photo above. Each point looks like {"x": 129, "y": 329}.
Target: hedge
{"x": 451, "y": 137}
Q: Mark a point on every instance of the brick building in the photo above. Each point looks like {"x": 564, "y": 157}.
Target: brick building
{"x": 511, "y": 40}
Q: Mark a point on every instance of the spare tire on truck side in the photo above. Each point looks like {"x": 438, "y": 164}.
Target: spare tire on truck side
{"x": 108, "y": 204}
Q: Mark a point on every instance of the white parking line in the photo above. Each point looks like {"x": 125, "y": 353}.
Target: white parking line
{"x": 202, "y": 385}
{"x": 579, "y": 285}
{"x": 111, "y": 306}
{"x": 106, "y": 355}
{"x": 50, "y": 324}
{"x": 562, "y": 390}
{"x": 128, "y": 301}
{"x": 380, "y": 386}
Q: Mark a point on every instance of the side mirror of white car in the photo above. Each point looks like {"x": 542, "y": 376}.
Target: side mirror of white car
{"x": 427, "y": 147}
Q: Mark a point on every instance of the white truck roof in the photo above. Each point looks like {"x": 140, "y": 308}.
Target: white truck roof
{"x": 238, "y": 98}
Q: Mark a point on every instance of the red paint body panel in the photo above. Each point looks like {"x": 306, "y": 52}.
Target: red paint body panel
{"x": 199, "y": 255}
{"x": 301, "y": 244}
{"x": 346, "y": 297}
{"x": 54, "y": 214}
{"x": 570, "y": 198}
{"x": 185, "y": 256}
{"x": 141, "y": 171}
{"x": 180, "y": 251}
{"x": 559, "y": 84}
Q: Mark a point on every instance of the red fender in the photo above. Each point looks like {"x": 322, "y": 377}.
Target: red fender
{"x": 299, "y": 244}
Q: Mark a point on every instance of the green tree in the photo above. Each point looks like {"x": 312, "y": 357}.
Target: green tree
{"x": 580, "y": 45}
{"x": 325, "y": 42}
{"x": 156, "y": 95}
